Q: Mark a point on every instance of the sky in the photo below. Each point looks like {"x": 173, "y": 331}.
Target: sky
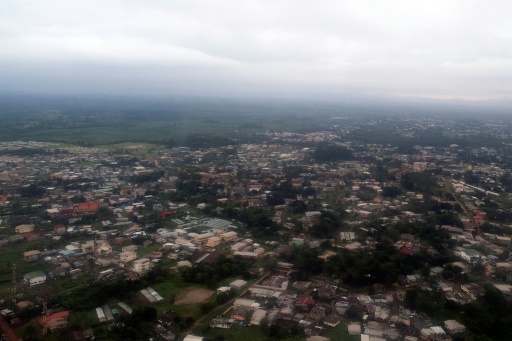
{"x": 447, "y": 49}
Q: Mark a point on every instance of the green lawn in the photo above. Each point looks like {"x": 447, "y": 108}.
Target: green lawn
{"x": 340, "y": 332}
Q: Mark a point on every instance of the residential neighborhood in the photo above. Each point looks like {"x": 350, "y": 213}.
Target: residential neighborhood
{"x": 343, "y": 241}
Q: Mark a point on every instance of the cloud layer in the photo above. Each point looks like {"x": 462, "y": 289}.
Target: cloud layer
{"x": 439, "y": 49}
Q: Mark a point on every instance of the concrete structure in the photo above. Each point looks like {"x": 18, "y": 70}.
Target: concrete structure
{"x": 141, "y": 265}
{"x": 127, "y": 256}
{"x": 229, "y": 236}
{"x": 35, "y": 278}
{"x": 454, "y": 327}
{"x": 31, "y": 256}
{"x": 24, "y": 228}
{"x": 213, "y": 241}
{"x": 238, "y": 284}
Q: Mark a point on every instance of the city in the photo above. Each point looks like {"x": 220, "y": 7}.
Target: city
{"x": 301, "y": 236}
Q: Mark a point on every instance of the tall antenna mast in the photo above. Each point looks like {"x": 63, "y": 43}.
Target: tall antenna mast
{"x": 45, "y": 315}
{"x": 13, "y": 287}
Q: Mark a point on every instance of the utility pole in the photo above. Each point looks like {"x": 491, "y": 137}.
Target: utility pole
{"x": 13, "y": 284}
{"x": 45, "y": 315}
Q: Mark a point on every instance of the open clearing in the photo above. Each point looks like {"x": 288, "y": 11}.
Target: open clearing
{"x": 194, "y": 296}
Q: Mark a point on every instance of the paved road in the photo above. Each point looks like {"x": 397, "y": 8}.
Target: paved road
{"x": 9, "y": 334}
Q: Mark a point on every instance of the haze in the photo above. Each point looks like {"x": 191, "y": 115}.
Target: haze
{"x": 306, "y": 49}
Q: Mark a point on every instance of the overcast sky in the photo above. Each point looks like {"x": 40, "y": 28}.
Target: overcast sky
{"x": 283, "y": 48}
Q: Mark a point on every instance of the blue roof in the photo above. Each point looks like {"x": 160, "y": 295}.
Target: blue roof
{"x": 67, "y": 252}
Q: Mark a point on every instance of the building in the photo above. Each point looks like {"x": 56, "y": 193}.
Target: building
{"x": 472, "y": 289}
{"x": 354, "y": 328}
{"x": 470, "y": 255}
{"x": 454, "y": 327}
{"x": 141, "y": 265}
{"x": 31, "y": 256}
{"x": 127, "y": 256}
{"x": 221, "y": 323}
{"x": 24, "y": 228}
{"x": 87, "y": 207}
{"x": 434, "y": 334}
{"x": 35, "y": 278}
{"x": 88, "y": 247}
{"x": 213, "y": 242}
{"x": 238, "y": 284}
{"x": 229, "y": 236}
{"x": 203, "y": 237}
{"x": 193, "y": 338}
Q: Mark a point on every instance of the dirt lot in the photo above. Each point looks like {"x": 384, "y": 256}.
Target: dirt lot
{"x": 194, "y": 296}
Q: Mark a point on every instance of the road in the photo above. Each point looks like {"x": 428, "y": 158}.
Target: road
{"x": 198, "y": 322}
{"x": 9, "y": 334}
{"x": 449, "y": 186}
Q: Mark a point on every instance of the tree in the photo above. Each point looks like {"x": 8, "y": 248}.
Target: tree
{"x": 391, "y": 192}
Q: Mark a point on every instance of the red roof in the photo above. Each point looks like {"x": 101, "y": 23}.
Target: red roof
{"x": 61, "y": 314}
{"x": 165, "y": 213}
{"x": 304, "y": 301}
{"x": 406, "y": 250}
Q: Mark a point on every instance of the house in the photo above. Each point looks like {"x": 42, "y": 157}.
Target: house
{"x": 229, "y": 236}
{"x": 221, "y": 323}
{"x": 244, "y": 302}
{"x": 354, "y": 328}
{"x": 129, "y": 248}
{"x": 326, "y": 290}
{"x": 164, "y": 333}
{"x": 238, "y": 284}
{"x": 24, "y": 228}
{"x": 102, "y": 263}
{"x": 58, "y": 323}
{"x": 35, "y": 278}
{"x": 258, "y": 316}
{"x": 470, "y": 255}
{"x": 203, "y": 237}
{"x": 213, "y": 241}
{"x": 193, "y": 338}
{"x": 127, "y": 256}
{"x": 60, "y": 315}
{"x": 454, "y": 327}
{"x": 473, "y": 290}
{"x": 317, "y": 313}
{"x": 87, "y": 207}
{"x": 318, "y": 338}
{"x": 31, "y": 256}
{"x": 88, "y": 247}
{"x": 104, "y": 248}
{"x": 331, "y": 320}
{"x": 141, "y": 265}
{"x": 304, "y": 302}
{"x": 434, "y": 334}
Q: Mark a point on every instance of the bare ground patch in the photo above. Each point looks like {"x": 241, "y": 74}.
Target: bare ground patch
{"x": 194, "y": 296}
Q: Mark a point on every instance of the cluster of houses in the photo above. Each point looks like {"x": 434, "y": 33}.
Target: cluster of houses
{"x": 320, "y": 306}
{"x": 90, "y": 182}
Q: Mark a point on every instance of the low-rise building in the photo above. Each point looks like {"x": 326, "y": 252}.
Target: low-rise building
{"x": 127, "y": 256}
{"x": 35, "y": 278}
{"x": 221, "y": 323}
{"x": 31, "y": 256}
{"x": 229, "y": 236}
{"x": 213, "y": 242}
{"x": 24, "y": 228}
{"x": 141, "y": 265}
{"x": 454, "y": 327}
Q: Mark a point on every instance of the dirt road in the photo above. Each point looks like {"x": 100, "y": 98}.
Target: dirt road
{"x": 7, "y": 331}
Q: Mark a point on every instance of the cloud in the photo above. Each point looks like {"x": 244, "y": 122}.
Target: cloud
{"x": 434, "y": 48}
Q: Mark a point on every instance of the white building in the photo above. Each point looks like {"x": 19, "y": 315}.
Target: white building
{"x": 127, "y": 256}
{"x": 35, "y": 278}
{"x": 141, "y": 265}
{"x": 454, "y": 327}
